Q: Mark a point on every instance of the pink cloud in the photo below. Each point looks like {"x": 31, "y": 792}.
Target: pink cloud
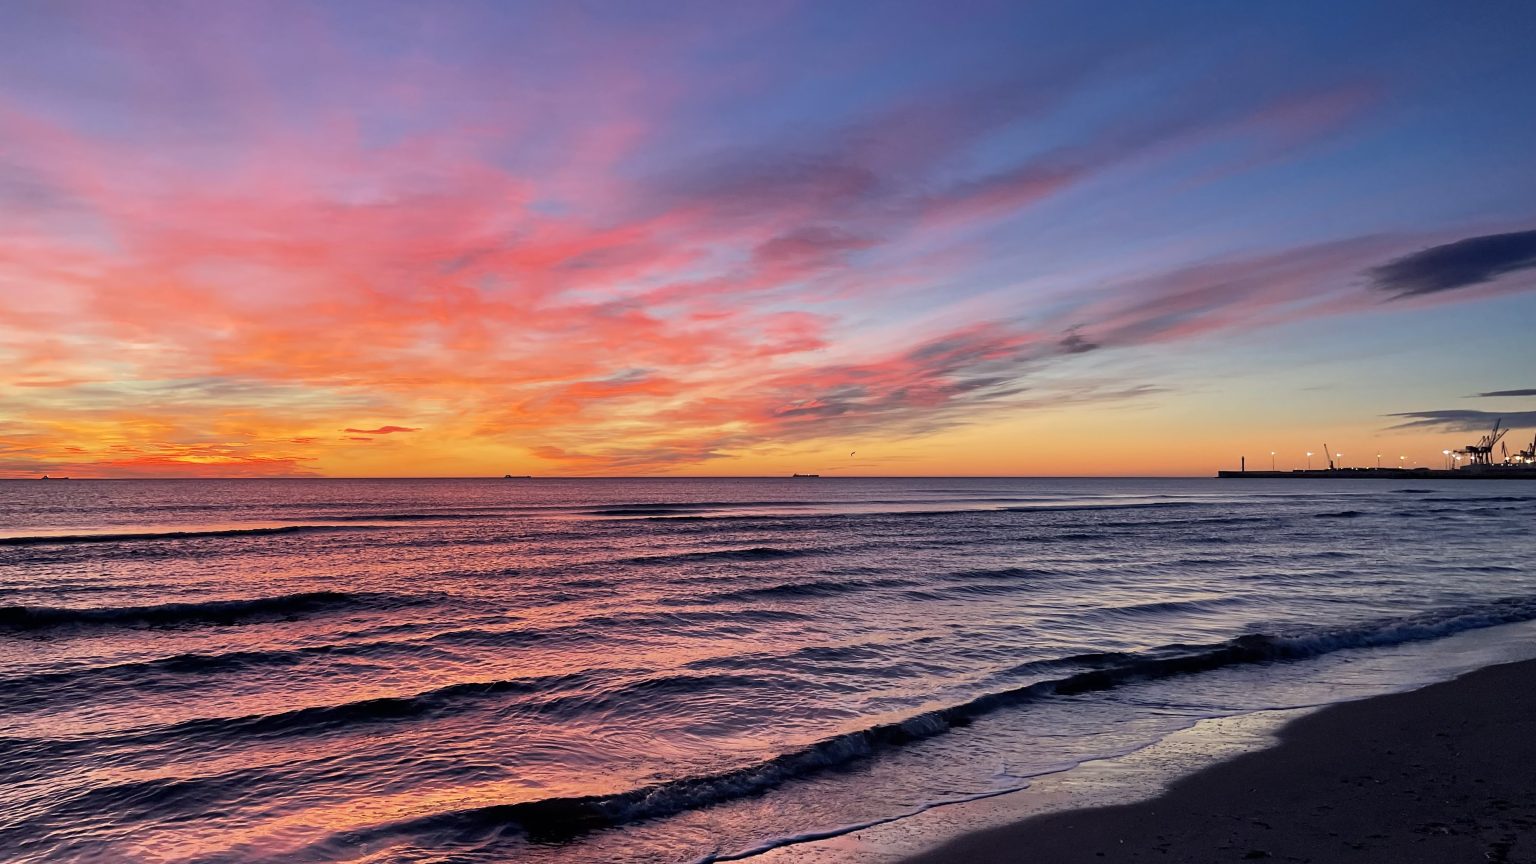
{"x": 595, "y": 313}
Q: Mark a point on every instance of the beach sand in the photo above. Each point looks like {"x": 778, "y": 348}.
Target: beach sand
{"x": 1438, "y": 775}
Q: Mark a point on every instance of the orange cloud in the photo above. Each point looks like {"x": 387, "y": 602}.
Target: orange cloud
{"x": 382, "y": 430}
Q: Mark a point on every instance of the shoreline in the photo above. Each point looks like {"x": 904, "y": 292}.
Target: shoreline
{"x": 1429, "y": 775}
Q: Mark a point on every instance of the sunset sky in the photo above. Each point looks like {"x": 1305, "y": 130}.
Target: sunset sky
{"x": 619, "y": 238}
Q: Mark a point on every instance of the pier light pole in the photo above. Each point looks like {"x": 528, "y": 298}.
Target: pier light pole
{"x": 1271, "y": 460}
{"x": 1339, "y": 458}
{"x": 1309, "y": 460}
{"x": 1378, "y": 461}
{"x": 1447, "y": 455}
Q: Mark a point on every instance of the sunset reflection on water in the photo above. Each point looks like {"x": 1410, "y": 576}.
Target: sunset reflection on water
{"x": 556, "y": 670}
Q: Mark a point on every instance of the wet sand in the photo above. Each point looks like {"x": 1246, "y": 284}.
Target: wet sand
{"x": 1442, "y": 774}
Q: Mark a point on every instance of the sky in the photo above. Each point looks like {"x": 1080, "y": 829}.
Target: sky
{"x": 636, "y": 238}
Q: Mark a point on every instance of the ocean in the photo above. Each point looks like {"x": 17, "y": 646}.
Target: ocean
{"x": 678, "y": 670}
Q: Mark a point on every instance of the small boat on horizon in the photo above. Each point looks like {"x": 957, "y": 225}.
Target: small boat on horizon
{"x": 517, "y": 477}
{"x": 802, "y": 476}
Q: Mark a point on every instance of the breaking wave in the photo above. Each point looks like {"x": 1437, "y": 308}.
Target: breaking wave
{"x": 563, "y": 818}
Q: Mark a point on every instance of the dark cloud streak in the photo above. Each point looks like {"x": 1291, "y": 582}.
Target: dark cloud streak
{"x": 1074, "y": 343}
{"x": 1462, "y": 264}
{"x": 1462, "y": 420}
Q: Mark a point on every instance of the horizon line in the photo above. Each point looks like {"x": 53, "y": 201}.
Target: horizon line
{"x": 653, "y": 477}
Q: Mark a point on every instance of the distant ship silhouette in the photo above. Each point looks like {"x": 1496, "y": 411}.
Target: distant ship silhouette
{"x": 805, "y": 475}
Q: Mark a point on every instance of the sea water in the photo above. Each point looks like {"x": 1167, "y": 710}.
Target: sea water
{"x": 671, "y": 670}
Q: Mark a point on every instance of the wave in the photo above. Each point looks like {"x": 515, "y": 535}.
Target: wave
{"x": 1483, "y": 499}
{"x": 980, "y": 589}
{"x": 1160, "y": 607}
{"x": 1215, "y": 520}
{"x": 851, "y": 507}
{"x": 66, "y": 588}
{"x": 788, "y": 521}
{"x": 657, "y": 508}
{"x": 640, "y": 511}
{"x": 132, "y": 801}
{"x": 725, "y": 620}
{"x": 319, "y": 718}
{"x": 1141, "y": 505}
{"x": 180, "y": 671}
{"x": 756, "y": 553}
{"x": 622, "y": 625}
{"x": 210, "y": 612}
{"x": 26, "y": 754}
{"x": 563, "y": 818}
{"x": 983, "y": 581}
{"x": 27, "y": 689}
{"x": 557, "y": 695}
{"x": 135, "y": 536}
{"x": 818, "y": 588}
{"x": 412, "y": 517}
{"x": 810, "y": 654}
{"x": 691, "y": 507}
{"x": 841, "y": 830}
{"x": 1342, "y": 514}
{"x": 997, "y": 573}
